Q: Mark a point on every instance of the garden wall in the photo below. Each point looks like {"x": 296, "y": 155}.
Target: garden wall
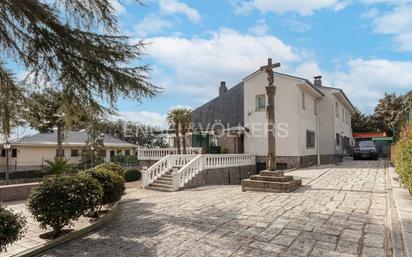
{"x": 16, "y": 192}
{"x": 222, "y": 176}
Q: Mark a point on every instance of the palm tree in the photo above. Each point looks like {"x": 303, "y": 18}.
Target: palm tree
{"x": 185, "y": 123}
{"x": 180, "y": 119}
{"x": 387, "y": 114}
{"x": 60, "y": 166}
{"x": 173, "y": 118}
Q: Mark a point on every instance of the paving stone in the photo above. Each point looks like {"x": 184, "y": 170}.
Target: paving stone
{"x": 325, "y": 219}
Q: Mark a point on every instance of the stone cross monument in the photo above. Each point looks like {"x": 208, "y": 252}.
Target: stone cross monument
{"x": 271, "y": 92}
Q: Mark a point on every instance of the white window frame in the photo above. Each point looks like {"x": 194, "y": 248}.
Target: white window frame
{"x": 258, "y": 102}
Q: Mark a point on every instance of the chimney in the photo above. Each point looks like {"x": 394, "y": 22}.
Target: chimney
{"x": 222, "y": 88}
{"x": 318, "y": 81}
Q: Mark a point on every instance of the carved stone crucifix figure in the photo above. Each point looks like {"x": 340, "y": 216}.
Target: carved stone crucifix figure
{"x": 271, "y": 92}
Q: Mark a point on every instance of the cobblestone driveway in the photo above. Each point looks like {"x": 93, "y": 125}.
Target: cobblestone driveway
{"x": 340, "y": 213}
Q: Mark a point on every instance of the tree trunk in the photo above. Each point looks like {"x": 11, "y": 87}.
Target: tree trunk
{"x": 60, "y": 136}
{"x": 184, "y": 140}
{"x": 177, "y": 138}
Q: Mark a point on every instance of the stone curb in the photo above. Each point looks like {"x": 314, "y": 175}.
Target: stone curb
{"x": 405, "y": 236}
{"x": 73, "y": 235}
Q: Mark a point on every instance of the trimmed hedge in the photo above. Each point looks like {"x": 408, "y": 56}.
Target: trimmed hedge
{"x": 111, "y": 167}
{"x": 132, "y": 175}
{"x": 112, "y": 184}
{"x": 59, "y": 201}
{"x": 12, "y": 227}
{"x": 403, "y": 160}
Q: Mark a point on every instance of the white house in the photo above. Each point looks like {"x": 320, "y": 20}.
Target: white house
{"x": 335, "y": 128}
{"x": 297, "y": 119}
{"x": 31, "y": 152}
{"x": 313, "y": 122}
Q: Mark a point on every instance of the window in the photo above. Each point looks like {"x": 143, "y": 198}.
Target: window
{"x": 127, "y": 152}
{"x": 303, "y": 100}
{"x": 260, "y": 102}
{"x": 3, "y": 152}
{"x": 310, "y": 139}
{"x": 112, "y": 153}
{"x": 337, "y": 139}
{"x": 74, "y": 153}
{"x": 118, "y": 152}
{"x": 343, "y": 114}
{"x": 337, "y": 109}
{"x": 62, "y": 152}
{"x": 14, "y": 153}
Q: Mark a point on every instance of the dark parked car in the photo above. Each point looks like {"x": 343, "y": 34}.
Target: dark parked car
{"x": 365, "y": 150}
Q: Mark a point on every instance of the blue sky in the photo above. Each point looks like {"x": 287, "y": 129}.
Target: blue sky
{"x": 361, "y": 46}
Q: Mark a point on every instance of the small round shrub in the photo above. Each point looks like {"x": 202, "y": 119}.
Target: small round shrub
{"x": 112, "y": 184}
{"x": 59, "y": 201}
{"x": 111, "y": 167}
{"x": 12, "y": 227}
{"x": 132, "y": 175}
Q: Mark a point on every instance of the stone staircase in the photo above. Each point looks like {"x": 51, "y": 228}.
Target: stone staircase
{"x": 164, "y": 183}
{"x": 271, "y": 181}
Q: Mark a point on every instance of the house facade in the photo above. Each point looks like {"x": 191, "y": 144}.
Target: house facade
{"x": 335, "y": 128}
{"x": 31, "y": 152}
{"x": 296, "y": 118}
{"x": 313, "y": 122}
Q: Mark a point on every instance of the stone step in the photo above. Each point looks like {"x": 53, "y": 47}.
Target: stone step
{"x": 165, "y": 178}
{"x": 164, "y": 182}
{"x": 270, "y": 186}
{"x": 268, "y": 173}
{"x": 163, "y": 189}
{"x": 156, "y": 184}
{"x": 272, "y": 178}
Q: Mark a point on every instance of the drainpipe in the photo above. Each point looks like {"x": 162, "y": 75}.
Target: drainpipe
{"x": 317, "y": 131}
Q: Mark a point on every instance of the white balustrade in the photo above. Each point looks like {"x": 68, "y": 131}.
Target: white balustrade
{"x": 159, "y": 153}
{"x": 156, "y": 171}
{"x": 209, "y": 161}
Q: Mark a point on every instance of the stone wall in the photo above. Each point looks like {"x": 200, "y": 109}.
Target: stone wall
{"x": 222, "y": 176}
{"x": 291, "y": 162}
{"x": 327, "y": 159}
{"x": 16, "y": 192}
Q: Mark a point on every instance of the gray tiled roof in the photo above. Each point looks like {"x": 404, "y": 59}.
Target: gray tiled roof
{"x": 72, "y": 138}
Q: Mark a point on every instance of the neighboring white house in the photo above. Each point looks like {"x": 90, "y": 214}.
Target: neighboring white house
{"x": 30, "y": 152}
{"x": 335, "y": 111}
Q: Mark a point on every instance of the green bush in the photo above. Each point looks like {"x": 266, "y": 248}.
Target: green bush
{"x": 404, "y": 157}
{"x": 111, "y": 167}
{"x": 12, "y": 227}
{"x": 132, "y": 175}
{"x": 59, "y": 201}
{"x": 112, "y": 184}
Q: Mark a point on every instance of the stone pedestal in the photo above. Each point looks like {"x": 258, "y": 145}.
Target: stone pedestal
{"x": 271, "y": 181}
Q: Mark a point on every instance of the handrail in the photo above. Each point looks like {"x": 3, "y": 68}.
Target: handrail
{"x": 209, "y": 161}
{"x": 187, "y": 172}
{"x": 159, "y": 153}
{"x": 155, "y": 171}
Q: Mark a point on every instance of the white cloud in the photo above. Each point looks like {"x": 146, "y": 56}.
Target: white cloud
{"x": 282, "y": 6}
{"x": 396, "y": 22}
{"x": 143, "y": 117}
{"x": 198, "y": 64}
{"x": 175, "y": 6}
{"x": 365, "y": 81}
{"x": 296, "y": 24}
{"x": 394, "y": 2}
{"x": 261, "y": 28}
{"x": 151, "y": 25}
